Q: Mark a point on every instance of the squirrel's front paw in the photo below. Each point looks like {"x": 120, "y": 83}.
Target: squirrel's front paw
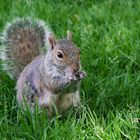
{"x": 72, "y": 78}
{"x": 80, "y": 75}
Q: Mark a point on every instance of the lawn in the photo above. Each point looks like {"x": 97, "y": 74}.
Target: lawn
{"x": 108, "y": 34}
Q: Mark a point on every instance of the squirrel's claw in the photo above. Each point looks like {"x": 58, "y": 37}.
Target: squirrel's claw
{"x": 80, "y": 75}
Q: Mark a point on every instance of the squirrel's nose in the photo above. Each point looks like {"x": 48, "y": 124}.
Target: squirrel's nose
{"x": 75, "y": 70}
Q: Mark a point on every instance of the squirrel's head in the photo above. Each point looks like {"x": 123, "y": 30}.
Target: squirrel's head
{"x": 64, "y": 54}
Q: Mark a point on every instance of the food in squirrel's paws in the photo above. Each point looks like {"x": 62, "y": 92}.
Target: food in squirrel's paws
{"x": 80, "y": 75}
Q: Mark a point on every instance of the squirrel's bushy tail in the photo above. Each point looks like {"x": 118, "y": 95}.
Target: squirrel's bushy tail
{"x": 22, "y": 40}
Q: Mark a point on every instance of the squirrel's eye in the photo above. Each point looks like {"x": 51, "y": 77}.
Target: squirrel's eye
{"x": 59, "y": 55}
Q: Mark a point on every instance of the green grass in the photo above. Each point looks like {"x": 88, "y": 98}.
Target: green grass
{"x": 108, "y": 33}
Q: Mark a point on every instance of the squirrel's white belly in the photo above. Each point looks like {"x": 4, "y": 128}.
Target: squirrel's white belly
{"x": 59, "y": 103}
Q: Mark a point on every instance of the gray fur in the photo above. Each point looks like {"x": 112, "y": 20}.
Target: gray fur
{"x": 54, "y": 82}
{"x": 22, "y": 39}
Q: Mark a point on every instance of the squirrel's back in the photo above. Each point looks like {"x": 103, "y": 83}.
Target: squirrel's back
{"x": 23, "y": 39}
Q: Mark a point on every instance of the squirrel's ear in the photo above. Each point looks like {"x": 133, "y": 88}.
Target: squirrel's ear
{"x": 69, "y": 35}
{"x": 52, "y": 40}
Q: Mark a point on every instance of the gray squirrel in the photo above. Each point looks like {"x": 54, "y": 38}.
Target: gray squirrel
{"x": 51, "y": 78}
